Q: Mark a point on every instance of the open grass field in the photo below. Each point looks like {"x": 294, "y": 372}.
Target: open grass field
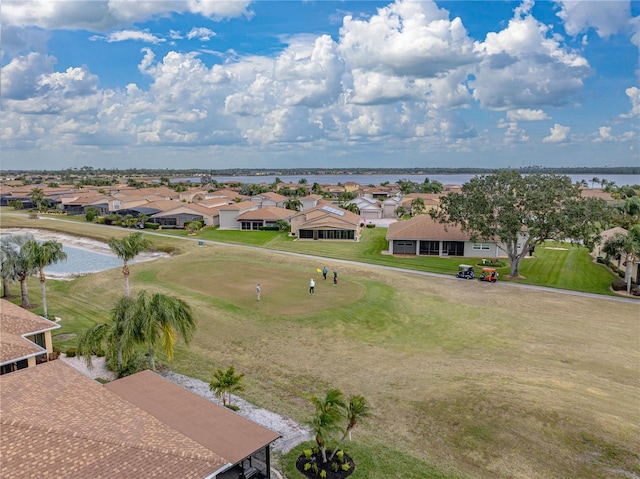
{"x": 466, "y": 379}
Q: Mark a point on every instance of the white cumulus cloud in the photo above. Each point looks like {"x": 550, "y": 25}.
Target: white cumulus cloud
{"x": 201, "y": 33}
{"x": 606, "y": 17}
{"x": 559, "y": 134}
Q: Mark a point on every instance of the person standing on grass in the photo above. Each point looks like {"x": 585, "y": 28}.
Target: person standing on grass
{"x": 258, "y": 292}
{"x": 324, "y": 272}
{"x": 335, "y": 277}
{"x": 312, "y": 286}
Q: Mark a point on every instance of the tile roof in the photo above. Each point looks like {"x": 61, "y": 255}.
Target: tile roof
{"x": 15, "y": 322}
{"x": 55, "y": 422}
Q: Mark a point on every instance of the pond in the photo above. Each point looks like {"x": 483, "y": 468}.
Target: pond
{"x": 83, "y": 261}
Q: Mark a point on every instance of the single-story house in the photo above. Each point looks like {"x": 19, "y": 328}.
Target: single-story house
{"x": 229, "y": 214}
{"x": 56, "y": 422}
{"x": 25, "y": 338}
{"x": 266, "y": 216}
{"x": 326, "y": 223}
{"x": 183, "y": 213}
{"x": 370, "y": 208}
{"x": 422, "y": 235}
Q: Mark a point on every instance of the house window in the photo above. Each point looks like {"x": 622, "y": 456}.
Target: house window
{"x": 481, "y": 246}
{"x": 431, "y": 248}
{"x": 336, "y": 234}
{"x": 453, "y": 248}
{"x": 305, "y": 234}
{"x": 246, "y": 225}
{"x": 39, "y": 340}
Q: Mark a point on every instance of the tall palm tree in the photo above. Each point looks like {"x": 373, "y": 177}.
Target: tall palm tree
{"x": 626, "y": 245}
{"x": 293, "y": 204}
{"x": 37, "y": 196}
{"x": 226, "y": 383}
{"x": 127, "y": 249}
{"x": 159, "y": 320}
{"x": 43, "y": 255}
{"x": 329, "y": 412}
{"x": 23, "y": 264}
{"x": 8, "y": 255}
{"x": 357, "y": 409}
{"x": 116, "y": 336}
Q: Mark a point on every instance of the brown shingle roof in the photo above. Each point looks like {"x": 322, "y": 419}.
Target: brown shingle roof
{"x": 267, "y": 213}
{"x": 58, "y": 423}
{"x": 15, "y": 322}
{"x": 423, "y": 227}
{"x": 217, "y": 428}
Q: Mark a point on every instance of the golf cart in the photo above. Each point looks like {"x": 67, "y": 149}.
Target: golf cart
{"x": 465, "y": 271}
{"x": 488, "y": 274}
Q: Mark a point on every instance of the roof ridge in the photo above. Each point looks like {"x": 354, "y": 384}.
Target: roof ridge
{"x": 212, "y": 457}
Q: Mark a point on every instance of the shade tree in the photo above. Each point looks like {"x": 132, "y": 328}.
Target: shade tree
{"x": 522, "y": 212}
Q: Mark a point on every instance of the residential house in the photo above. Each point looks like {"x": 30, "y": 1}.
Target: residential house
{"x": 422, "y": 235}
{"x": 370, "y": 208}
{"x": 56, "y": 422}
{"x": 267, "y": 216}
{"x": 431, "y": 201}
{"x": 269, "y": 199}
{"x": 326, "y": 222}
{"x": 180, "y": 213}
{"x": 25, "y": 338}
{"x": 310, "y": 201}
{"x": 229, "y": 214}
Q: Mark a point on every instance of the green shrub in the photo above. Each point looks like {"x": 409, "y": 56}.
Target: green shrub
{"x": 152, "y": 226}
{"x": 269, "y": 228}
{"x": 618, "y": 285}
{"x": 233, "y": 407}
{"x": 71, "y": 352}
{"x": 307, "y": 453}
{"x": 100, "y": 220}
{"x": 323, "y": 474}
{"x": 340, "y": 456}
{"x": 370, "y": 225}
{"x": 307, "y": 466}
{"x": 346, "y": 466}
{"x": 335, "y": 466}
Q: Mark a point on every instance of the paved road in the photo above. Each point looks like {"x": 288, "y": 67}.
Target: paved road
{"x": 620, "y": 299}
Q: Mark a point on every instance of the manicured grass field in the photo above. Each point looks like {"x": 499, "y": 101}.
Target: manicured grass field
{"x": 465, "y": 379}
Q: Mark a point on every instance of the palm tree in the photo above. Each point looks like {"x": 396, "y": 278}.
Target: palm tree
{"x": 159, "y": 319}
{"x": 37, "y": 196}
{"x": 225, "y": 383}
{"x": 8, "y": 254}
{"x": 418, "y": 206}
{"x": 329, "y": 412}
{"x": 293, "y": 204}
{"x": 43, "y": 255}
{"x": 23, "y": 265}
{"x": 353, "y": 207}
{"x": 357, "y": 409}
{"x": 116, "y": 337}
{"x": 626, "y": 245}
{"x": 126, "y": 249}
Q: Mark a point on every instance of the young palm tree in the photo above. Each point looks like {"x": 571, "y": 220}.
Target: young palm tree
{"x": 159, "y": 320}
{"x": 329, "y": 412}
{"x": 116, "y": 337}
{"x": 293, "y": 204}
{"x": 42, "y": 255}
{"x": 357, "y": 409}
{"x": 351, "y": 207}
{"x": 226, "y": 383}
{"x": 37, "y": 196}
{"x": 127, "y": 249}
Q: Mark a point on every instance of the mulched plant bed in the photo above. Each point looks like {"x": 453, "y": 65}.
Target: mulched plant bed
{"x": 316, "y": 458}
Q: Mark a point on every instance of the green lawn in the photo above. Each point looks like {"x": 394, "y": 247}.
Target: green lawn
{"x": 465, "y": 379}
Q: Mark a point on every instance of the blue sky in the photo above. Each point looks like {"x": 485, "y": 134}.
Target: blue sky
{"x": 276, "y": 84}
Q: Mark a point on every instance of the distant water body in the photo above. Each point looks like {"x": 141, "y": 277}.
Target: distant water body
{"x": 83, "y": 261}
{"x": 619, "y": 180}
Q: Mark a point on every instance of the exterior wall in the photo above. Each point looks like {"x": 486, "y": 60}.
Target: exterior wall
{"x": 229, "y": 220}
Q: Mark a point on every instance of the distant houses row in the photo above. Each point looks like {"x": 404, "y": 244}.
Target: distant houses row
{"x": 315, "y": 217}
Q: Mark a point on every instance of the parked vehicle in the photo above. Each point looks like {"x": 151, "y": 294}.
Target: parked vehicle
{"x": 465, "y": 271}
{"x": 488, "y": 274}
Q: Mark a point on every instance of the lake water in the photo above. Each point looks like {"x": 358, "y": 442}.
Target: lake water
{"x": 83, "y": 261}
{"x": 619, "y": 180}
